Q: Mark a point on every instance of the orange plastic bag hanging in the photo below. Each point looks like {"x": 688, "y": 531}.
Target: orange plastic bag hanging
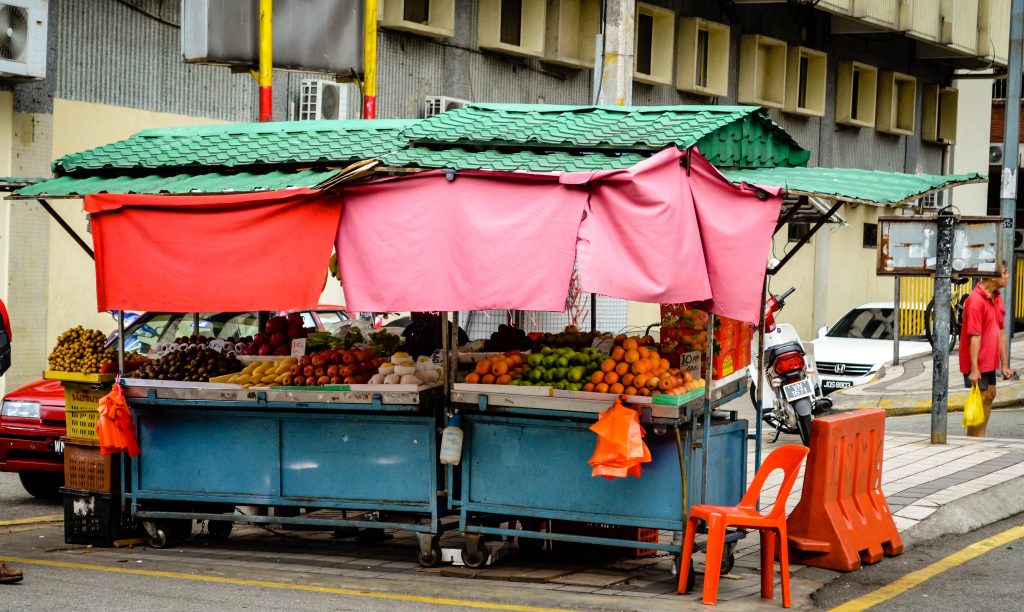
{"x": 115, "y": 428}
{"x": 620, "y": 448}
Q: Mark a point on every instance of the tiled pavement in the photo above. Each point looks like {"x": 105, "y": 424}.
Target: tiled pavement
{"x": 918, "y": 478}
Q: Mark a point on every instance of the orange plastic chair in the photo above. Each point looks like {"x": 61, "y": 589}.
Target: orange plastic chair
{"x": 772, "y": 527}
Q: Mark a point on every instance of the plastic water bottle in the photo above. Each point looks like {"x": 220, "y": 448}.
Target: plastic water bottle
{"x": 451, "y": 442}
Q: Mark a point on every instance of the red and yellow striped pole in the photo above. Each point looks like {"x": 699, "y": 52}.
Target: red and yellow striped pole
{"x": 370, "y": 61}
{"x": 266, "y": 59}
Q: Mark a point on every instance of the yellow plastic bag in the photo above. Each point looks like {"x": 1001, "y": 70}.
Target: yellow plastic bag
{"x": 974, "y": 411}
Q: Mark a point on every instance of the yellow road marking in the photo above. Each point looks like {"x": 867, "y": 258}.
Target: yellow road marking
{"x": 50, "y": 518}
{"x": 279, "y": 585}
{"x": 913, "y": 579}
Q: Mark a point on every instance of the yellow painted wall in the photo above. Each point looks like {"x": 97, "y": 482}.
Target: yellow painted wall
{"x": 78, "y": 126}
{"x": 6, "y": 138}
{"x": 798, "y": 273}
{"x": 852, "y": 278}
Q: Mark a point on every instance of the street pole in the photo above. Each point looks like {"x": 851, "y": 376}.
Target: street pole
{"x": 896, "y": 324}
{"x": 940, "y": 349}
{"x": 370, "y": 61}
{"x": 266, "y": 73}
{"x": 1011, "y": 144}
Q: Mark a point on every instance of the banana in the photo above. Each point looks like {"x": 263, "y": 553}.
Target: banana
{"x": 269, "y": 378}
{"x": 220, "y": 379}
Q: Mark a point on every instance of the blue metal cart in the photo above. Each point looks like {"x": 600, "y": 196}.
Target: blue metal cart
{"x": 524, "y": 457}
{"x": 207, "y": 451}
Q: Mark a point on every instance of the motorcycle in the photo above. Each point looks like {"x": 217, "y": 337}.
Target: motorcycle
{"x": 790, "y": 374}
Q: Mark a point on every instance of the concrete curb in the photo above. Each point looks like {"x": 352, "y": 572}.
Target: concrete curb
{"x": 1008, "y": 396}
{"x": 968, "y": 513}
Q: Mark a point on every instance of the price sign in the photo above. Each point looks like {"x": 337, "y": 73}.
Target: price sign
{"x": 603, "y": 345}
{"x": 298, "y": 347}
{"x": 690, "y": 362}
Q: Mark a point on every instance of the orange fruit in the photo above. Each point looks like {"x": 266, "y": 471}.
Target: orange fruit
{"x": 487, "y": 379}
{"x": 484, "y": 367}
{"x": 597, "y": 377}
{"x": 588, "y": 387}
{"x": 607, "y": 365}
{"x": 639, "y": 367}
{"x": 663, "y": 364}
{"x": 472, "y": 378}
{"x": 499, "y": 368}
{"x": 687, "y": 377}
{"x": 611, "y": 378}
{"x": 618, "y": 353}
{"x": 601, "y": 387}
{"x": 627, "y": 380}
{"x": 504, "y": 379}
{"x": 617, "y": 388}
{"x": 654, "y": 355}
{"x": 644, "y": 352}
{"x": 631, "y": 390}
{"x": 645, "y": 392}
{"x": 630, "y": 344}
{"x": 641, "y": 380}
{"x": 631, "y": 356}
{"x": 622, "y": 368}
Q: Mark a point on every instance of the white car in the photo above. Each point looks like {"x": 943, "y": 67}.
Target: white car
{"x": 852, "y": 351}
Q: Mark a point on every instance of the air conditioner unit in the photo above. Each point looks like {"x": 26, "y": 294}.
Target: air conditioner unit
{"x": 995, "y": 154}
{"x": 322, "y": 100}
{"x": 435, "y": 105}
{"x": 1018, "y": 240}
{"x": 23, "y": 38}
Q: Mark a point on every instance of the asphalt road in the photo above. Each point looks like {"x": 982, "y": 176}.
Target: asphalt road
{"x": 991, "y": 581}
{"x": 1008, "y": 423}
{"x": 15, "y": 503}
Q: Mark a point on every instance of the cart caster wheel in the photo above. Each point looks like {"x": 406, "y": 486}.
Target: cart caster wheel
{"x": 219, "y": 530}
{"x": 431, "y": 559}
{"x": 729, "y": 558}
{"x": 474, "y": 559}
{"x": 156, "y": 535}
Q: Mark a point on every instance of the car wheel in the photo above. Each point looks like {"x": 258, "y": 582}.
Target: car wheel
{"x": 42, "y": 485}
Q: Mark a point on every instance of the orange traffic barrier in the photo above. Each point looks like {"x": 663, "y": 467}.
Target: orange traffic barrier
{"x": 842, "y": 519}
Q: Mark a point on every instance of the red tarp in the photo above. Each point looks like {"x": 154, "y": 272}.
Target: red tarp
{"x": 209, "y": 253}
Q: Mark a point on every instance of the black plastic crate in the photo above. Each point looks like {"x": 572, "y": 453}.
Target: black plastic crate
{"x": 96, "y": 519}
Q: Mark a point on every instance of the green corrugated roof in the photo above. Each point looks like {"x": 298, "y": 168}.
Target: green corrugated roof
{"x": 851, "y": 184}
{"x": 461, "y": 159}
{"x": 293, "y": 143}
{"x": 213, "y": 182}
{"x": 740, "y": 136}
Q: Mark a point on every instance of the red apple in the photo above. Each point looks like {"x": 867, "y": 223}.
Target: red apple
{"x": 332, "y": 371}
{"x": 307, "y": 371}
{"x": 296, "y": 369}
{"x": 323, "y": 380}
{"x": 305, "y": 360}
{"x": 336, "y": 380}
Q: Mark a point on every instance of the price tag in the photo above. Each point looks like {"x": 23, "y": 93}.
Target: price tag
{"x": 690, "y": 362}
{"x": 217, "y": 345}
{"x": 298, "y": 347}
{"x": 603, "y": 345}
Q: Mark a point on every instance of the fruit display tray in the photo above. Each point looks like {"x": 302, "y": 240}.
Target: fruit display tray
{"x": 224, "y": 392}
{"x": 95, "y": 378}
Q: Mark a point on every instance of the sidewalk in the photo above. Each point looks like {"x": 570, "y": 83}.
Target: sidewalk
{"x": 933, "y": 490}
{"x": 907, "y": 388}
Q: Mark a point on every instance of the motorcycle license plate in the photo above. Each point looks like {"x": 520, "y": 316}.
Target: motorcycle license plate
{"x": 797, "y": 390}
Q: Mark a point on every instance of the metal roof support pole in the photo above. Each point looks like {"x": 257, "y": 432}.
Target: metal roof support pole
{"x": 1011, "y": 144}
{"x": 940, "y": 350}
{"x": 616, "y": 87}
{"x": 67, "y": 228}
{"x": 814, "y": 230}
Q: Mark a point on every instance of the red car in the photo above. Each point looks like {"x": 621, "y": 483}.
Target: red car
{"x": 32, "y": 416}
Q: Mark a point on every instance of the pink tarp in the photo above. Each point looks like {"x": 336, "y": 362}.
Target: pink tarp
{"x": 209, "y": 253}
{"x": 662, "y": 231}
{"x": 479, "y": 242}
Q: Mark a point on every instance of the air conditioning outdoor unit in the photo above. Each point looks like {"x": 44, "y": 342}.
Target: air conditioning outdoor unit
{"x": 995, "y": 154}
{"x": 323, "y": 100}
{"x": 435, "y": 105}
{"x": 23, "y": 38}
{"x": 1018, "y": 240}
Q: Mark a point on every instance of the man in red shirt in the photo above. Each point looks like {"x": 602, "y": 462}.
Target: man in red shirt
{"x": 983, "y": 343}
{"x": 7, "y": 575}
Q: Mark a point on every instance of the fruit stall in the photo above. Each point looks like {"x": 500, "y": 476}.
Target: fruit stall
{"x": 599, "y": 438}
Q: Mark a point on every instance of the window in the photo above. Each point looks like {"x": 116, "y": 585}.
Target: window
{"x": 330, "y": 320}
{"x": 571, "y": 28}
{"x": 434, "y": 18}
{"x": 702, "y": 59}
{"x": 515, "y": 27}
{"x": 797, "y": 231}
{"x": 653, "y": 44}
{"x": 938, "y": 114}
{"x": 805, "y": 82}
{"x": 865, "y": 323}
{"x": 870, "y": 235}
{"x": 762, "y": 71}
{"x": 856, "y": 89}
{"x": 897, "y": 97}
